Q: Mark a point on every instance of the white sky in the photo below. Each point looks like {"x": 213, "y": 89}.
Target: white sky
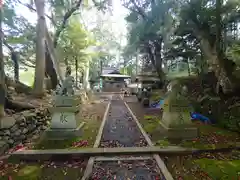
{"x": 118, "y": 22}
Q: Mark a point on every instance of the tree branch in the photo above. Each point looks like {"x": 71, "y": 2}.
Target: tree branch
{"x": 33, "y": 9}
{"x": 64, "y": 22}
{"x": 140, "y": 11}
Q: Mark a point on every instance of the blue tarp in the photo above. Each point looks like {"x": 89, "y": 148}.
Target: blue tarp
{"x": 157, "y": 104}
{"x": 194, "y": 116}
{"x": 200, "y": 117}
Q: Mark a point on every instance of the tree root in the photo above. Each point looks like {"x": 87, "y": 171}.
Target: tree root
{"x": 17, "y": 106}
{"x": 19, "y": 87}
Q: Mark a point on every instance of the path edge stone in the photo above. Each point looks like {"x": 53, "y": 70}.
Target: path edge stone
{"x": 90, "y": 163}
{"x": 159, "y": 161}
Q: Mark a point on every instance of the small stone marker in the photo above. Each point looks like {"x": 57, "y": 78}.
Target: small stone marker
{"x": 63, "y": 124}
{"x": 176, "y": 115}
{"x": 65, "y": 101}
{"x": 63, "y": 120}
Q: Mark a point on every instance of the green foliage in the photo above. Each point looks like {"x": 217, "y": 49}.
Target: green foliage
{"x": 180, "y": 24}
{"x": 234, "y": 53}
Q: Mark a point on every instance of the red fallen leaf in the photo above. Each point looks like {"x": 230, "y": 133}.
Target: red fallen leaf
{"x": 180, "y": 178}
{"x": 80, "y": 143}
{"x": 157, "y": 178}
{"x": 19, "y": 147}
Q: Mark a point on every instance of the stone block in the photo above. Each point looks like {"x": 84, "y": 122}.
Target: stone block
{"x": 63, "y": 120}
{"x": 64, "y": 109}
{"x": 3, "y": 147}
{"x": 62, "y": 134}
{"x": 176, "y": 119}
{"x": 7, "y": 122}
{"x": 178, "y": 127}
{"x": 65, "y": 101}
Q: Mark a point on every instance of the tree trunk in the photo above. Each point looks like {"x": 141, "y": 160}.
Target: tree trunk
{"x": 86, "y": 76}
{"x": 188, "y": 66}
{"x": 221, "y": 66}
{"x": 66, "y": 61}
{"x": 14, "y": 57}
{"x": 38, "y": 88}
{"x": 2, "y": 74}
{"x": 158, "y": 60}
{"x": 50, "y": 70}
{"x": 76, "y": 69}
{"x": 54, "y": 66}
{"x": 136, "y": 64}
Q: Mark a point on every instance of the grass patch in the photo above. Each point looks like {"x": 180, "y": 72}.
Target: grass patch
{"x": 151, "y": 126}
{"x": 89, "y": 133}
{"x": 150, "y": 123}
{"x": 210, "y": 137}
{"x": 204, "y": 168}
{"x": 221, "y": 170}
{"x": 163, "y": 143}
{"x": 38, "y": 171}
{"x": 55, "y": 144}
{"x": 157, "y": 95}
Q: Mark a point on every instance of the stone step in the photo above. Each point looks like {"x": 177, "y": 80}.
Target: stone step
{"x": 65, "y": 154}
{"x": 3, "y": 147}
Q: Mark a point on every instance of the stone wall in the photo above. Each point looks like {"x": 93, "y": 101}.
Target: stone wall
{"x": 22, "y": 126}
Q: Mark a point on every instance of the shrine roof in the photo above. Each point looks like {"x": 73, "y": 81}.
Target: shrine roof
{"x": 115, "y": 75}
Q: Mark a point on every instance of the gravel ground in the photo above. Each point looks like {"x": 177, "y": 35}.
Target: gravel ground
{"x": 126, "y": 170}
{"x": 122, "y": 131}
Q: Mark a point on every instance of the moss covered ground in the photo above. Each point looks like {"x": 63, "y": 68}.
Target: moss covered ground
{"x": 208, "y": 166}
{"x": 92, "y": 116}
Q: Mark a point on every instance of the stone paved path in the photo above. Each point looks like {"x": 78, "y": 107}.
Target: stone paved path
{"x": 121, "y": 130}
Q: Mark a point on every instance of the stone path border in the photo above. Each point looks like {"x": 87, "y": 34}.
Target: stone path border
{"x": 141, "y": 158}
{"x": 60, "y": 154}
{"x": 157, "y": 158}
{"x": 90, "y": 163}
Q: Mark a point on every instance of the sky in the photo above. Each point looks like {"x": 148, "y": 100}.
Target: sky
{"x": 118, "y": 22}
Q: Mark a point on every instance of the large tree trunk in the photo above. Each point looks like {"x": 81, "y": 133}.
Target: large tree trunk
{"x": 2, "y": 96}
{"x": 38, "y": 88}
{"x": 2, "y": 74}
{"x": 158, "y": 59}
{"x": 221, "y": 66}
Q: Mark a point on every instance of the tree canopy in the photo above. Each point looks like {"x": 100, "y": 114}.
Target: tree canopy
{"x": 195, "y": 32}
